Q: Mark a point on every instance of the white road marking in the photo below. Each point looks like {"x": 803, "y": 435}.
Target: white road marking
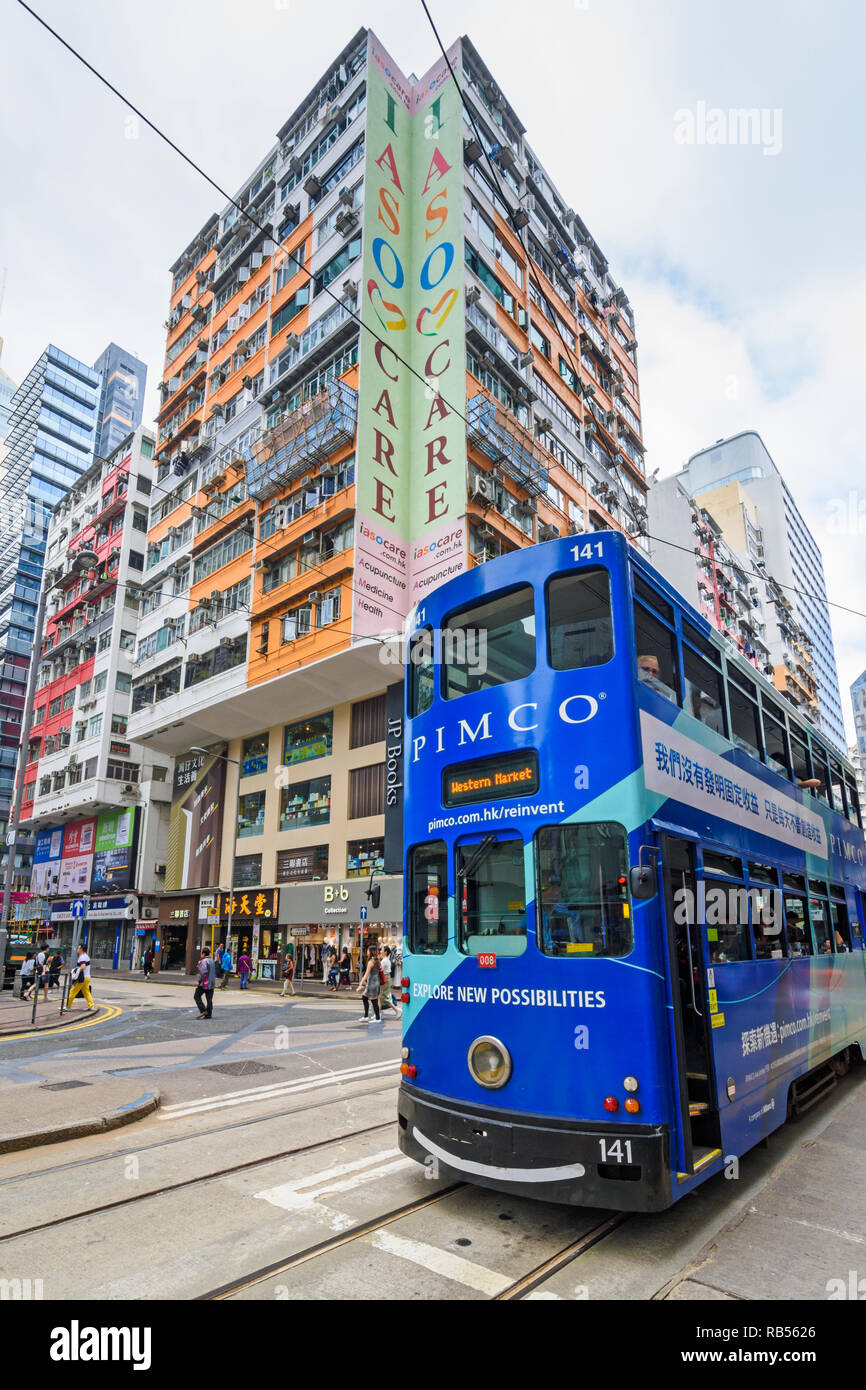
{"x": 443, "y": 1262}
{"x": 539, "y": 1295}
{"x": 229, "y": 1099}
{"x": 305, "y": 1194}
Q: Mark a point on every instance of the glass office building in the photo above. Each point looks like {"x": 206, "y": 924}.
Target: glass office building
{"x": 121, "y": 397}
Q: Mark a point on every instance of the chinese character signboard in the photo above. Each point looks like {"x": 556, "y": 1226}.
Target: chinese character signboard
{"x": 194, "y": 838}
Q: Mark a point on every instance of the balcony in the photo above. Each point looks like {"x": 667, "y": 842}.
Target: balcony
{"x": 497, "y": 434}
{"x": 306, "y": 436}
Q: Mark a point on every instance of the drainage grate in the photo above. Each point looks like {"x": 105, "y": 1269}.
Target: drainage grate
{"x": 242, "y": 1068}
{"x": 62, "y": 1085}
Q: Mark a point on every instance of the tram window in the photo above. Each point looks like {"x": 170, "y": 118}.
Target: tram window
{"x": 489, "y": 644}
{"x": 705, "y": 694}
{"x": 797, "y": 924}
{"x": 421, "y": 672}
{"x": 656, "y": 654}
{"x": 837, "y": 784}
{"x": 579, "y": 618}
{"x": 853, "y": 801}
{"x": 722, "y": 864}
{"x": 428, "y": 899}
{"x": 744, "y": 720}
{"x": 767, "y": 923}
{"x": 706, "y": 649}
{"x": 763, "y": 873}
{"x": 795, "y": 881}
{"x": 491, "y": 897}
{"x": 801, "y": 766}
{"x": 819, "y": 911}
{"x": 726, "y": 913}
{"x": 841, "y": 929}
{"x": 776, "y": 744}
{"x": 582, "y": 890}
{"x": 653, "y": 599}
{"x": 819, "y": 770}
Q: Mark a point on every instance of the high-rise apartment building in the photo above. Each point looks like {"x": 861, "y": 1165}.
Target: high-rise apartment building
{"x": 715, "y": 559}
{"x": 736, "y": 471}
{"x": 50, "y": 441}
{"x": 97, "y": 802}
{"x": 121, "y": 397}
{"x": 858, "y": 703}
{"x": 314, "y": 479}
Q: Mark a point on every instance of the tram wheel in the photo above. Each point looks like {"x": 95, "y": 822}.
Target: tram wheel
{"x": 841, "y": 1063}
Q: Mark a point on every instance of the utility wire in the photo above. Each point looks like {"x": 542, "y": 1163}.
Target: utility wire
{"x": 259, "y": 226}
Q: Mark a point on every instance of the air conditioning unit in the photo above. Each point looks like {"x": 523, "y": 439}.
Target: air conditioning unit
{"x": 215, "y": 595}
{"x": 313, "y": 186}
{"x": 350, "y": 289}
{"x": 543, "y": 425}
{"x": 526, "y": 358}
{"x": 346, "y": 221}
{"x": 473, "y": 294}
{"x": 227, "y": 641}
{"x": 128, "y": 789}
{"x": 486, "y": 488}
{"x": 217, "y": 409}
{"x": 293, "y": 341}
{"x": 546, "y": 532}
{"x": 472, "y": 151}
{"x": 313, "y": 596}
{"x": 346, "y": 196}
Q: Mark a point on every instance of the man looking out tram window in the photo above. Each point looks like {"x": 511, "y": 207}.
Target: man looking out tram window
{"x": 649, "y": 673}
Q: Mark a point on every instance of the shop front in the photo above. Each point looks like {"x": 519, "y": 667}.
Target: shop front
{"x": 176, "y": 922}
{"x": 101, "y": 924}
{"x": 316, "y": 913}
{"x": 255, "y": 929}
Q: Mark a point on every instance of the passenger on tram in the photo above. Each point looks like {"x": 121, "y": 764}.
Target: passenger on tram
{"x": 649, "y": 673}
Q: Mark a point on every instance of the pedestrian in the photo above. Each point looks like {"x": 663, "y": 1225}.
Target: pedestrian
{"x": 55, "y": 965}
{"x": 28, "y": 976}
{"x": 369, "y": 986}
{"x": 245, "y": 969}
{"x": 288, "y": 976}
{"x": 385, "y": 969}
{"x": 344, "y": 969}
{"x": 206, "y": 984}
{"x": 226, "y": 964}
{"x": 42, "y": 973}
{"x": 327, "y": 952}
{"x": 148, "y": 962}
{"x": 81, "y": 978}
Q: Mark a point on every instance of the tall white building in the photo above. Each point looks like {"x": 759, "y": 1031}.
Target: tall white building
{"x": 787, "y": 546}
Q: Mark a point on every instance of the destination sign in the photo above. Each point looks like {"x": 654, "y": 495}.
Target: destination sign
{"x": 490, "y": 779}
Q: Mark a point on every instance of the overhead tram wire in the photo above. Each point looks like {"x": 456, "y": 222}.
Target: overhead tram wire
{"x": 326, "y": 289}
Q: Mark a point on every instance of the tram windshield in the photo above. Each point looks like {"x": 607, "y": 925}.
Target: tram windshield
{"x": 491, "y": 898}
{"x": 582, "y": 891}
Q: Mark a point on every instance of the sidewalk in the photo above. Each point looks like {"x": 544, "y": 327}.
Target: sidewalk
{"x": 304, "y": 989}
{"x": 15, "y": 1014}
{"x": 804, "y": 1234}
{"x": 48, "y": 1113}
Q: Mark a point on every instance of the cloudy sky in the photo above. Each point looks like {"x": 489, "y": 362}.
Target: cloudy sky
{"x": 745, "y": 262}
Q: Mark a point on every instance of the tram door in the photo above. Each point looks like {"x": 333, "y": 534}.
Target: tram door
{"x": 700, "y": 1119}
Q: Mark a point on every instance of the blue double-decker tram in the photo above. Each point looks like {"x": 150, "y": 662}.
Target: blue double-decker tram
{"x": 634, "y": 887}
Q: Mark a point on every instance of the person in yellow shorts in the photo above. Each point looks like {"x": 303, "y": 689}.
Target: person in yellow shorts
{"x": 81, "y": 979}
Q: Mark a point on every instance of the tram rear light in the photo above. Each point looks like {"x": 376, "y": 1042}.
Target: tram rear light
{"x": 632, "y": 1105}
{"x": 405, "y": 982}
{"x": 630, "y": 1083}
{"x": 404, "y": 998}
{"x": 404, "y": 1053}
{"x": 611, "y": 1104}
{"x": 409, "y": 1070}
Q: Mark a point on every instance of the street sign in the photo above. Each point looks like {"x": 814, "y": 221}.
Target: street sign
{"x": 300, "y": 931}
{"x": 363, "y": 914}
{"x": 77, "y": 907}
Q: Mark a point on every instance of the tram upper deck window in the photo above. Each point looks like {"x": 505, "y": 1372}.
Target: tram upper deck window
{"x": 491, "y": 897}
{"x": 722, "y": 864}
{"x": 489, "y": 644}
{"x": 841, "y": 928}
{"x": 837, "y": 785}
{"x": 745, "y": 728}
{"x": 579, "y": 620}
{"x": 776, "y": 742}
{"x": 704, "y": 684}
{"x": 800, "y": 764}
{"x": 421, "y": 672}
{"x": 582, "y": 890}
{"x": 428, "y": 898}
{"x": 767, "y": 921}
{"x": 853, "y": 800}
{"x": 656, "y": 654}
{"x": 821, "y": 771}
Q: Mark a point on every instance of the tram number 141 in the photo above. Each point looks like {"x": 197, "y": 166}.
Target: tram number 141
{"x": 617, "y": 1151}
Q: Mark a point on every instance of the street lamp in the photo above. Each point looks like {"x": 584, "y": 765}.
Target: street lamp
{"x": 209, "y": 754}
{"x": 80, "y": 560}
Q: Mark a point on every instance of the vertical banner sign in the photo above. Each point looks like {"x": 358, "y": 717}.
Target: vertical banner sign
{"x": 45, "y": 874}
{"x": 76, "y": 862}
{"x": 194, "y": 838}
{"x": 411, "y": 458}
{"x": 114, "y": 856}
{"x": 394, "y": 747}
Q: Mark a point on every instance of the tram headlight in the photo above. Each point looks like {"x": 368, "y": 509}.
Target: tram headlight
{"x": 630, "y": 1083}
{"x": 489, "y": 1062}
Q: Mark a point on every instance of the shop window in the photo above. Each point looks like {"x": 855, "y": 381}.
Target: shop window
{"x": 254, "y": 755}
{"x": 308, "y": 739}
{"x": 368, "y": 722}
{"x": 248, "y": 870}
{"x": 305, "y": 803}
{"x": 365, "y": 857}
{"x": 367, "y": 791}
{"x": 251, "y": 813}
